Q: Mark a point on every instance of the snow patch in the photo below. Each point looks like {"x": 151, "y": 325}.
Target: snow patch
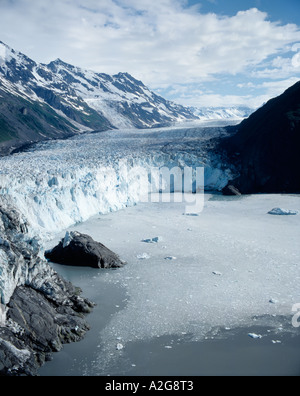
{"x": 2, "y": 315}
{"x": 22, "y": 355}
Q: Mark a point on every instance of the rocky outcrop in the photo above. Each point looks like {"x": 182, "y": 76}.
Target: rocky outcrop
{"x": 40, "y": 311}
{"x": 81, "y": 250}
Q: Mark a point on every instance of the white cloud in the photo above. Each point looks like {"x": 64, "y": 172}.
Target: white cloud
{"x": 271, "y": 89}
{"x": 160, "y": 42}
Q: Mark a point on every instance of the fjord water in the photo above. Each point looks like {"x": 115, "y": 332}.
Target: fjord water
{"x": 187, "y": 304}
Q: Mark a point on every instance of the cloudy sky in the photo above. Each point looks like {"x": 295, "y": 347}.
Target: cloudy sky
{"x": 195, "y": 52}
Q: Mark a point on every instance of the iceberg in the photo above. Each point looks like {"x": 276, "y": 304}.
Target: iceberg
{"x": 255, "y": 336}
{"x": 283, "y": 212}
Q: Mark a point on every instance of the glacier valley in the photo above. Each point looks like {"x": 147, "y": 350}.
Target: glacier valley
{"x": 232, "y": 265}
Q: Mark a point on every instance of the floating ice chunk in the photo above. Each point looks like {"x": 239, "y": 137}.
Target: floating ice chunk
{"x": 255, "y": 336}
{"x": 153, "y": 240}
{"x": 191, "y": 214}
{"x": 273, "y": 301}
{"x": 168, "y": 347}
{"x": 280, "y": 211}
{"x": 170, "y": 258}
{"x": 144, "y": 256}
{"x": 120, "y": 347}
{"x": 217, "y": 273}
{"x": 276, "y": 342}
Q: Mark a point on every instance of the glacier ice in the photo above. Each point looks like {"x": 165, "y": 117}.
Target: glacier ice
{"x": 60, "y": 183}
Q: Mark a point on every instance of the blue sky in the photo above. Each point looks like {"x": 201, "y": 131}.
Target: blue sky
{"x": 202, "y": 53}
{"x": 278, "y": 10}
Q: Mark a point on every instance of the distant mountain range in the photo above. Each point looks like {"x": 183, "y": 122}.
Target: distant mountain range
{"x": 265, "y": 148}
{"x": 220, "y": 113}
{"x": 58, "y": 100}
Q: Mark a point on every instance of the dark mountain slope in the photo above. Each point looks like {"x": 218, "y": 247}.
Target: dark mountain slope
{"x": 266, "y": 147}
{"x": 23, "y": 121}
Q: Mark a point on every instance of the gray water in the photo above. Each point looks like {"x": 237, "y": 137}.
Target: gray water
{"x": 229, "y": 352}
{"x": 165, "y": 313}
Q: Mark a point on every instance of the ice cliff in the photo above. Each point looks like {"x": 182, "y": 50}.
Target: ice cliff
{"x": 61, "y": 183}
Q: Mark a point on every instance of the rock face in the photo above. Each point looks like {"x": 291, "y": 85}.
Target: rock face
{"x": 81, "y": 250}
{"x": 39, "y": 310}
{"x": 265, "y": 148}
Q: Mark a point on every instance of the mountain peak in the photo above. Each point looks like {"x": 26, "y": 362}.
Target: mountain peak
{"x": 57, "y": 64}
{"x": 59, "y": 61}
{"x": 4, "y": 45}
{"x": 129, "y": 78}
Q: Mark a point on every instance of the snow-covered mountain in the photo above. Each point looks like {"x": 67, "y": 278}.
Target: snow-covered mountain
{"x": 57, "y": 100}
{"x": 220, "y": 113}
{"x": 123, "y": 100}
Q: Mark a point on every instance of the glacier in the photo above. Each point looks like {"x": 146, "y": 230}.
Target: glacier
{"x": 59, "y": 183}
{"x": 238, "y": 259}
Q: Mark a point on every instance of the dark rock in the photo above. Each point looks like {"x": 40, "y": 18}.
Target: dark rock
{"x": 15, "y": 357}
{"x": 81, "y": 250}
{"x": 268, "y": 143}
{"x": 39, "y": 310}
{"x": 36, "y": 328}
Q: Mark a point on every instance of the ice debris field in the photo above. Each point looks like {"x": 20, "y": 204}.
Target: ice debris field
{"x": 232, "y": 266}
